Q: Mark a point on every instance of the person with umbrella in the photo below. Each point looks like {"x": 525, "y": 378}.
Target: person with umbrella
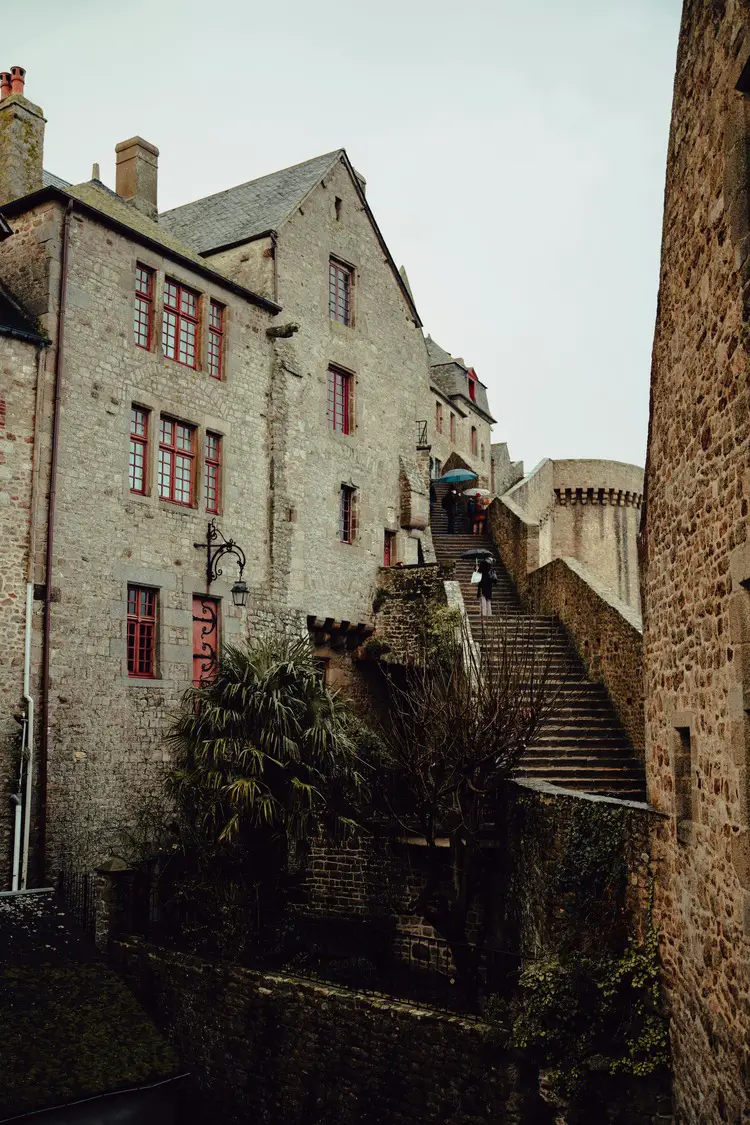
{"x": 450, "y": 503}
{"x": 485, "y": 584}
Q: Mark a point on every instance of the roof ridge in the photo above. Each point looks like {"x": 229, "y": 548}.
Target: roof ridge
{"x": 256, "y": 179}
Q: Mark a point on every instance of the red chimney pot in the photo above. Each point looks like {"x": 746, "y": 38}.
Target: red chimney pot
{"x": 18, "y": 79}
{"x": 5, "y": 86}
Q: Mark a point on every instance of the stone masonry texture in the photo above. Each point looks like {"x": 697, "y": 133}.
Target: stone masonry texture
{"x": 18, "y": 386}
{"x": 606, "y": 635}
{"x": 270, "y": 1048}
{"x": 282, "y": 471}
{"x": 696, "y": 570}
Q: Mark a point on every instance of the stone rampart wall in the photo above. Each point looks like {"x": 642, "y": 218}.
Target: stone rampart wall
{"x": 606, "y": 634}
{"x": 516, "y": 538}
{"x": 270, "y": 1048}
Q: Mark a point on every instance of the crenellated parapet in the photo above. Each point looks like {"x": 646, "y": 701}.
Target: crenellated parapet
{"x": 616, "y": 497}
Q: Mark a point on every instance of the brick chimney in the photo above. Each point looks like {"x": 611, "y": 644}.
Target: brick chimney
{"x": 137, "y": 164}
{"x": 21, "y": 138}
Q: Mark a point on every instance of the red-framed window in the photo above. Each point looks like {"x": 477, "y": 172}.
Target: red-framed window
{"x": 143, "y": 309}
{"x": 206, "y": 618}
{"x": 474, "y": 444}
{"x": 472, "y": 384}
{"x": 438, "y": 417}
{"x": 143, "y": 604}
{"x": 212, "y": 467}
{"x": 180, "y": 323}
{"x": 340, "y": 400}
{"x": 216, "y": 340}
{"x": 176, "y": 461}
{"x": 340, "y": 285}
{"x": 347, "y": 514}
{"x": 389, "y": 548}
{"x": 453, "y": 427}
{"x": 138, "y": 449}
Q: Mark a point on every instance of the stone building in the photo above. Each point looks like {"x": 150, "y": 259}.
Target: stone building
{"x": 347, "y": 385}
{"x": 174, "y": 393}
{"x": 586, "y": 510}
{"x": 458, "y": 416}
{"x": 696, "y": 563}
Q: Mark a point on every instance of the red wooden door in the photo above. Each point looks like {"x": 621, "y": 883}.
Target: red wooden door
{"x": 205, "y": 638}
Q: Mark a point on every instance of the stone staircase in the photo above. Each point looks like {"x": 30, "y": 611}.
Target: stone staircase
{"x": 583, "y": 745}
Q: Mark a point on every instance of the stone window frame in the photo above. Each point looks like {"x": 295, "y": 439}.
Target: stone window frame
{"x": 162, "y": 269}
{"x": 348, "y": 522}
{"x": 336, "y": 266}
{"x": 335, "y": 374}
{"x": 452, "y": 427}
{"x": 203, "y": 424}
{"x": 176, "y": 591}
{"x": 684, "y": 755}
{"x": 138, "y": 589}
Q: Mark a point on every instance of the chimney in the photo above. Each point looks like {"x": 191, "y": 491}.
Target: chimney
{"x": 21, "y": 138}
{"x": 136, "y": 174}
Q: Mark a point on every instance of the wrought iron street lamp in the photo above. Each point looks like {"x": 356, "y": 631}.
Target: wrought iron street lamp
{"x": 215, "y": 552}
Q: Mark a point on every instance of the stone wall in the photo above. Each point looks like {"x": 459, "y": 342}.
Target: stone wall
{"x": 18, "y": 391}
{"x": 273, "y": 1049}
{"x": 695, "y": 566}
{"x": 606, "y": 634}
{"x": 588, "y": 510}
{"x": 516, "y": 538}
{"x": 106, "y": 749}
{"x": 402, "y": 601}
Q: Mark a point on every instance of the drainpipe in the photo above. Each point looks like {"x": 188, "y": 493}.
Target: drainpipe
{"x": 27, "y": 752}
{"x": 47, "y": 629}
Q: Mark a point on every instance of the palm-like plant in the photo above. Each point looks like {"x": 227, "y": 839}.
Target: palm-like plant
{"x": 264, "y": 748}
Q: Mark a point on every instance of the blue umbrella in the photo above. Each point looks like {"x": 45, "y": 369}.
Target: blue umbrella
{"x": 455, "y": 475}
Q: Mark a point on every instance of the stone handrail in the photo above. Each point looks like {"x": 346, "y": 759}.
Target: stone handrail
{"x": 606, "y": 633}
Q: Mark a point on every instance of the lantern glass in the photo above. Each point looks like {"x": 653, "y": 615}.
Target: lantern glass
{"x": 239, "y": 594}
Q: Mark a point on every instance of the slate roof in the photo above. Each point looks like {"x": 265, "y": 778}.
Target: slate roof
{"x": 49, "y": 179}
{"x": 70, "y": 1027}
{"x": 242, "y": 213}
{"x": 99, "y": 198}
{"x": 15, "y": 321}
{"x": 450, "y": 377}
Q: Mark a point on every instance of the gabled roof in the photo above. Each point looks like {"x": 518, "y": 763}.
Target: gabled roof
{"x": 71, "y": 1029}
{"x": 15, "y": 321}
{"x": 104, "y": 204}
{"x": 249, "y": 210}
{"x": 260, "y": 207}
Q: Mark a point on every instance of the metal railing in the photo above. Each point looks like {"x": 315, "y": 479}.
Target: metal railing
{"x": 78, "y": 892}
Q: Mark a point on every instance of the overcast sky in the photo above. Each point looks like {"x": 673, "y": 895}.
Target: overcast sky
{"x": 514, "y": 154}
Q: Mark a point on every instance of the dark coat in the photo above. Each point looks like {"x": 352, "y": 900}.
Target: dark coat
{"x": 484, "y": 589}
{"x": 450, "y": 501}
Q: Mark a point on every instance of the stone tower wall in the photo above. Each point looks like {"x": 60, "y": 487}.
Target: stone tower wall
{"x": 695, "y": 564}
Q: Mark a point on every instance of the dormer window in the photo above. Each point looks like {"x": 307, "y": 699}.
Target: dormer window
{"x": 472, "y": 376}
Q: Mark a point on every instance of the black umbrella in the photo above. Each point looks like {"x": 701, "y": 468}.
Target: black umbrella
{"x": 476, "y": 553}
